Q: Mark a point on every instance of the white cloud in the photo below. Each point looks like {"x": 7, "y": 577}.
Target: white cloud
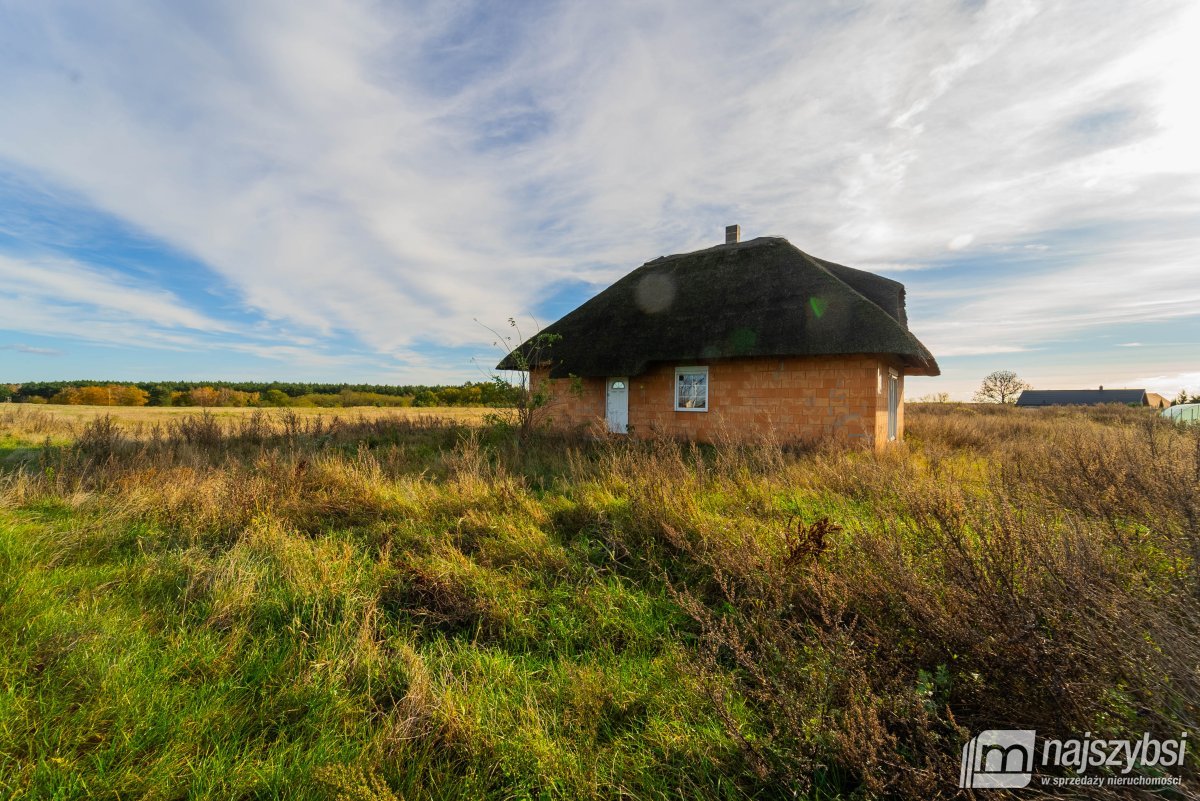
{"x": 62, "y": 297}
{"x": 1170, "y": 384}
{"x": 352, "y": 167}
{"x": 1129, "y": 284}
{"x": 56, "y": 297}
{"x": 63, "y": 283}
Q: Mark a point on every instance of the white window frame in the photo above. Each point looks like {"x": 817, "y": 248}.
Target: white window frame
{"x": 894, "y": 399}
{"x": 675, "y": 389}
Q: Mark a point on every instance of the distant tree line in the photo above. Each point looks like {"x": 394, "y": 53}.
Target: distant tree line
{"x": 258, "y": 393}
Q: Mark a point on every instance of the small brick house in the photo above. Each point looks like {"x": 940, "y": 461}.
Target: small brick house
{"x": 742, "y": 339}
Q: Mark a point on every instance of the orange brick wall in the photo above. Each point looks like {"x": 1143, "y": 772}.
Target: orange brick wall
{"x": 794, "y": 398}
{"x": 574, "y": 402}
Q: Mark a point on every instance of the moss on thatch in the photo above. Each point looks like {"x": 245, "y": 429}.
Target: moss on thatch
{"x": 764, "y": 297}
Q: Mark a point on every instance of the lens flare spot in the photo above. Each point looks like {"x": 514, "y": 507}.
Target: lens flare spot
{"x": 655, "y": 293}
{"x": 743, "y": 340}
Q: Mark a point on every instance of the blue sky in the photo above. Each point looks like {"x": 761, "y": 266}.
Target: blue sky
{"x": 339, "y": 191}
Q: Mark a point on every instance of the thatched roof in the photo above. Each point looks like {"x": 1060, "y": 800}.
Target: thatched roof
{"x": 764, "y": 297}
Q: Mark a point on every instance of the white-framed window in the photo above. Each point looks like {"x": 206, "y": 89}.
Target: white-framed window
{"x": 893, "y": 404}
{"x": 691, "y": 389}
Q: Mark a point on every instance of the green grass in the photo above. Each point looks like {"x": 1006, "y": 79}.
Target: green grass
{"x": 415, "y": 610}
{"x": 137, "y": 669}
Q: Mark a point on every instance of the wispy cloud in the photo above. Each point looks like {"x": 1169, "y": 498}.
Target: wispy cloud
{"x": 1127, "y": 283}
{"x": 387, "y": 173}
{"x": 30, "y": 349}
{"x": 66, "y": 287}
{"x": 55, "y": 297}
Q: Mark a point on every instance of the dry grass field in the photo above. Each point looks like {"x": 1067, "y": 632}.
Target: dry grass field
{"x": 23, "y": 425}
{"x": 132, "y": 416}
{"x": 375, "y": 607}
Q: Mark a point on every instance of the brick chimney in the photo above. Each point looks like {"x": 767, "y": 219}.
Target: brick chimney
{"x": 733, "y": 234}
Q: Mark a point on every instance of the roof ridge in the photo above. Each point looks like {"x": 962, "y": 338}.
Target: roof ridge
{"x": 757, "y": 241}
{"x": 1093, "y": 389}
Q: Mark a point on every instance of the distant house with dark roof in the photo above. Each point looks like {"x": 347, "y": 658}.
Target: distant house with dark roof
{"x": 739, "y": 339}
{"x": 1091, "y": 397}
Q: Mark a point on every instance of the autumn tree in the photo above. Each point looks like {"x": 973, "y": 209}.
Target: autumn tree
{"x": 128, "y": 396}
{"x": 202, "y": 396}
{"x": 234, "y": 397}
{"x": 66, "y": 396}
{"x": 106, "y": 395}
{"x": 95, "y": 396}
{"x": 1002, "y": 386}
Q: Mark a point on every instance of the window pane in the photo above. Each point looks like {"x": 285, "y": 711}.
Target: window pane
{"x": 692, "y": 391}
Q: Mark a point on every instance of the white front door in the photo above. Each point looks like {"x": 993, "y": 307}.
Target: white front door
{"x": 616, "y": 405}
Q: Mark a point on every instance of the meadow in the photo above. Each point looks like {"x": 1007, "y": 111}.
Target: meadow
{"x": 66, "y": 419}
{"x": 401, "y": 606}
